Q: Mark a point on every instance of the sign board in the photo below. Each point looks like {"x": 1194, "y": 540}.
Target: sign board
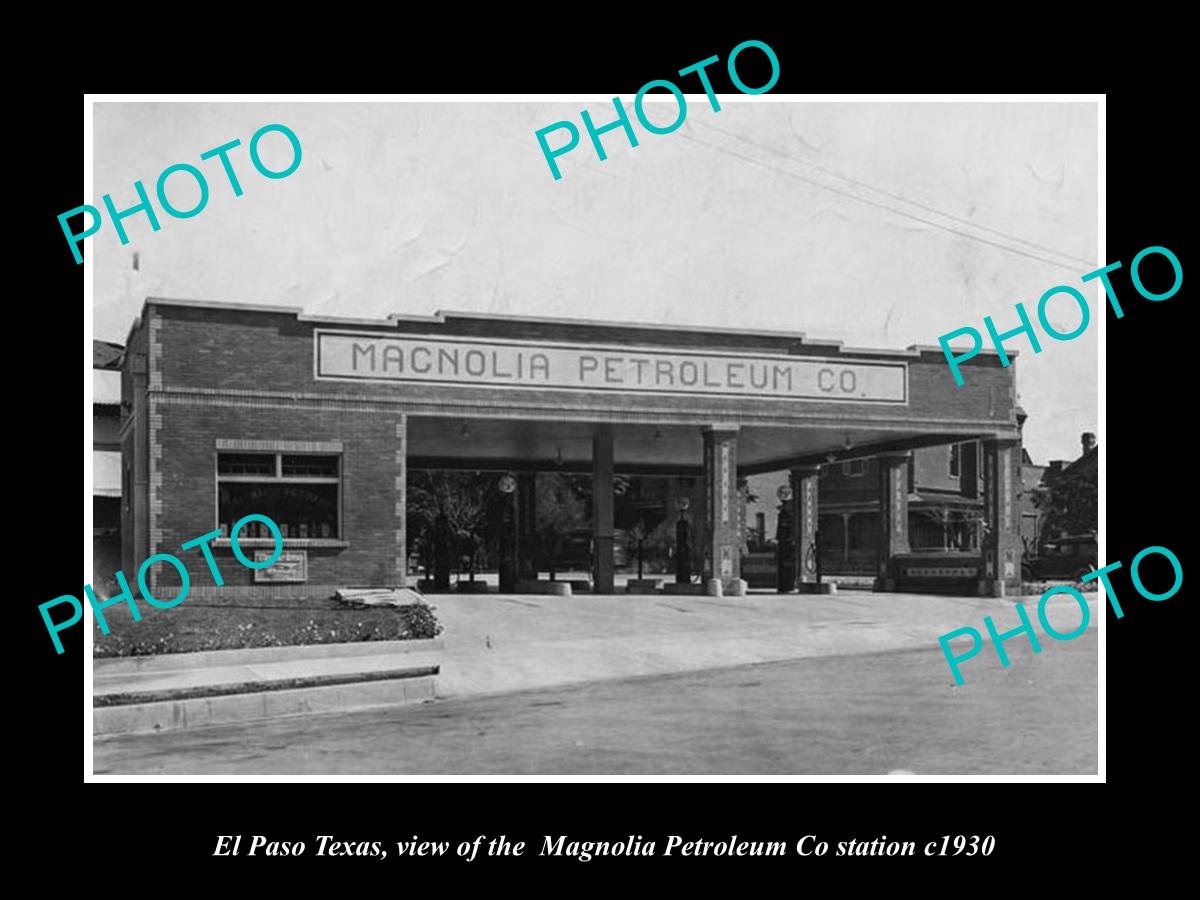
{"x": 942, "y": 571}
{"x": 292, "y": 566}
{"x": 354, "y": 356}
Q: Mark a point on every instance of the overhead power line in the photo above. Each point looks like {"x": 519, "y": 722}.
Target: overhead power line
{"x": 933, "y": 209}
{"x": 869, "y": 202}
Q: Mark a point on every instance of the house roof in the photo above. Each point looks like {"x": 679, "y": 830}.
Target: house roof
{"x": 106, "y": 354}
{"x": 1088, "y": 458}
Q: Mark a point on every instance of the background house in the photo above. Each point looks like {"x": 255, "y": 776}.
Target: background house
{"x": 945, "y": 501}
{"x": 106, "y": 460}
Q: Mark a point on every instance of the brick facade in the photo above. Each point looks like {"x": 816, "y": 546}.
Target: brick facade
{"x": 200, "y": 377}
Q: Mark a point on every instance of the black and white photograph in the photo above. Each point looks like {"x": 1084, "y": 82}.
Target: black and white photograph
{"x": 686, "y": 435}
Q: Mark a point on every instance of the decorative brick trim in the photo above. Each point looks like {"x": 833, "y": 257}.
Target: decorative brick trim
{"x": 229, "y": 592}
{"x": 154, "y": 356}
{"x": 457, "y": 408}
{"x": 289, "y": 543}
{"x": 154, "y": 425}
{"x": 401, "y": 488}
{"x": 154, "y": 487}
{"x": 280, "y": 446}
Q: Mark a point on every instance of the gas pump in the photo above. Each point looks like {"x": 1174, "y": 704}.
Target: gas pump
{"x": 785, "y": 555}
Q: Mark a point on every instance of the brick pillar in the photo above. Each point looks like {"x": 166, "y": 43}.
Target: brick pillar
{"x": 526, "y": 526}
{"x": 135, "y": 522}
{"x": 1001, "y": 538}
{"x": 602, "y": 509}
{"x": 804, "y": 522}
{"x": 721, "y": 523}
{"x": 401, "y": 566}
{"x": 893, "y": 517}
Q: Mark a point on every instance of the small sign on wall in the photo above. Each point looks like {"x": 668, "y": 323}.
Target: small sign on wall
{"x": 292, "y": 566}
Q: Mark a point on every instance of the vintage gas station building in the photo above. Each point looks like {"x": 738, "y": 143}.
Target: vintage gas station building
{"x": 235, "y": 409}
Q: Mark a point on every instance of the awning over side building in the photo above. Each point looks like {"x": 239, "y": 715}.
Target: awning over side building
{"x": 106, "y": 473}
{"x": 106, "y": 386}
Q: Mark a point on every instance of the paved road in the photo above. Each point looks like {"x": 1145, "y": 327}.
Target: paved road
{"x": 867, "y": 714}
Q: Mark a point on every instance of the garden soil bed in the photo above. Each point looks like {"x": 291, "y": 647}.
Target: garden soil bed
{"x": 192, "y": 627}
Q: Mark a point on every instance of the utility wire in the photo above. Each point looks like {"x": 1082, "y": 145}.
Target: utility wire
{"x": 884, "y": 206}
{"x": 901, "y": 198}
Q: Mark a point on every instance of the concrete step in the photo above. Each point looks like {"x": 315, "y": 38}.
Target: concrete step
{"x": 244, "y": 681}
{"x": 196, "y": 712}
{"x": 234, "y": 686}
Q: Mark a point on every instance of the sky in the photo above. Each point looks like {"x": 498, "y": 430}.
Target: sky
{"x": 770, "y": 214}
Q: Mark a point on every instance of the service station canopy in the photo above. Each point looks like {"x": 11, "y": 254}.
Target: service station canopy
{"x": 499, "y": 392}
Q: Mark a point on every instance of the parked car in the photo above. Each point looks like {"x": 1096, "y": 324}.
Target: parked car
{"x": 1062, "y": 559}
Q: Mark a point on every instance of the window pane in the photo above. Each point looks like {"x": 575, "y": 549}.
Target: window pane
{"x": 246, "y": 463}
{"x": 294, "y": 464}
{"x": 300, "y": 510}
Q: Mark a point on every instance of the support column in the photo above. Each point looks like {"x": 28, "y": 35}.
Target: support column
{"x": 1001, "y": 533}
{"x": 510, "y": 530}
{"x": 602, "y": 509}
{"x": 804, "y": 524}
{"x": 527, "y": 526}
{"x": 722, "y": 540}
{"x": 893, "y": 517}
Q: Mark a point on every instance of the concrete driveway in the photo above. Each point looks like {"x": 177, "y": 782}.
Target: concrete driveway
{"x": 499, "y": 643}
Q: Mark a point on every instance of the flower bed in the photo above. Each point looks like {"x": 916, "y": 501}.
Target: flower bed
{"x": 187, "y": 629}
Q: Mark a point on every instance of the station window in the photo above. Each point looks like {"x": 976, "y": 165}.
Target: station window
{"x": 954, "y": 459}
{"x": 852, "y": 468}
{"x": 299, "y": 492}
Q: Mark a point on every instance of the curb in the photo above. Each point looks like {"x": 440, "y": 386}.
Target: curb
{"x": 130, "y": 698}
{"x": 107, "y": 666}
{"x": 230, "y": 709}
